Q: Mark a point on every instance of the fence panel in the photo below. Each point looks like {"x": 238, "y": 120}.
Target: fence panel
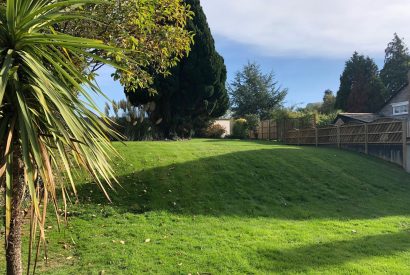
{"x": 384, "y": 139}
{"x": 385, "y": 132}
{"x": 307, "y": 136}
{"x": 353, "y": 134}
{"x": 292, "y": 137}
{"x": 327, "y": 136}
{"x": 267, "y": 129}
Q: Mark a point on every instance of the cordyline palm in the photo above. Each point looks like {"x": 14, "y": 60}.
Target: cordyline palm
{"x": 48, "y": 121}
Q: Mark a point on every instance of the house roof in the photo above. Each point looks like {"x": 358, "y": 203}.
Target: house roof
{"x": 395, "y": 94}
{"x": 361, "y": 117}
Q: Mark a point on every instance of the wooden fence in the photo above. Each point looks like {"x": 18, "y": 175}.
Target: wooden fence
{"x": 277, "y": 129}
{"x": 376, "y": 133}
{"x": 268, "y": 129}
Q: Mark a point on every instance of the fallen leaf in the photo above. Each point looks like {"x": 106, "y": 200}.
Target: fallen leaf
{"x": 147, "y": 240}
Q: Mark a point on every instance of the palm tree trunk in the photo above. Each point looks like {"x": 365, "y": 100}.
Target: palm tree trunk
{"x": 13, "y": 242}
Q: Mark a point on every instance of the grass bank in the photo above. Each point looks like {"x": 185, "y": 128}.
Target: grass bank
{"x": 206, "y": 206}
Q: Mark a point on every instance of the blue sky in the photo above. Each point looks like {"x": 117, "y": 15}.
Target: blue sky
{"x": 305, "y": 43}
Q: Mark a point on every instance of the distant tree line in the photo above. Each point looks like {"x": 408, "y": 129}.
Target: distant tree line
{"x": 363, "y": 88}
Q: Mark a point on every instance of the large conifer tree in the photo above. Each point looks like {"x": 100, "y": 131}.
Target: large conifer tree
{"x": 361, "y": 89}
{"x": 195, "y": 91}
{"x": 255, "y": 93}
{"x": 396, "y": 65}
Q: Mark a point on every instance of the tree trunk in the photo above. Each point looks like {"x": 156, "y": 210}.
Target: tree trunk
{"x": 13, "y": 242}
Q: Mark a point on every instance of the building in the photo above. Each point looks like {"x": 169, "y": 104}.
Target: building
{"x": 345, "y": 118}
{"x": 397, "y": 107}
{"x": 227, "y": 124}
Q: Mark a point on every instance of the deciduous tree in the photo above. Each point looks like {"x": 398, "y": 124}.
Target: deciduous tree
{"x": 328, "y": 105}
{"x": 154, "y": 33}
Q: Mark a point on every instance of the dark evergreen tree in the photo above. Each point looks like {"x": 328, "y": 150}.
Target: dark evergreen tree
{"x": 396, "y": 65}
{"x": 194, "y": 93}
{"x": 361, "y": 89}
{"x": 253, "y": 92}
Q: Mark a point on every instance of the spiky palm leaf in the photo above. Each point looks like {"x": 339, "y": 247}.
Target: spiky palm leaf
{"x": 47, "y": 114}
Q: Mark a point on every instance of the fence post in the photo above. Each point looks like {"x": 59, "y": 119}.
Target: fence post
{"x": 283, "y": 128}
{"x": 366, "y": 139}
{"x": 316, "y": 137}
{"x": 404, "y": 125}
{"x": 268, "y": 129}
{"x": 338, "y": 136}
{"x": 298, "y": 137}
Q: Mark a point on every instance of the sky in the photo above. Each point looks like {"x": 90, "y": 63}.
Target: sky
{"x": 305, "y": 43}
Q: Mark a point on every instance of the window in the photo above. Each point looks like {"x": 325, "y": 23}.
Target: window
{"x": 401, "y": 108}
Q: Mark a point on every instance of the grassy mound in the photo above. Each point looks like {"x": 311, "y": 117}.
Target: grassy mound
{"x": 238, "y": 207}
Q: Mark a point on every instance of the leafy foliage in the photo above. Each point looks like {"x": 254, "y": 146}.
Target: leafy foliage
{"x": 253, "y": 92}
{"x": 252, "y": 122}
{"x": 49, "y": 124}
{"x": 326, "y": 119}
{"x": 194, "y": 93}
{"x": 240, "y": 128}
{"x": 215, "y": 131}
{"x": 131, "y": 121}
{"x": 155, "y": 30}
{"x": 328, "y": 105}
{"x": 396, "y": 65}
{"x": 361, "y": 89}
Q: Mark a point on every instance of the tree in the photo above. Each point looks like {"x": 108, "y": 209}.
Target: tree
{"x": 361, "y": 89}
{"x": 253, "y": 92}
{"x": 311, "y": 107}
{"x": 396, "y": 65}
{"x": 194, "y": 93}
{"x": 46, "y": 130}
{"x": 155, "y": 29}
{"x": 328, "y": 105}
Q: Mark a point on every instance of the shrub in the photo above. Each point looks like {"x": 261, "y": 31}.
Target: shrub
{"x": 240, "y": 129}
{"x": 252, "y": 123}
{"x": 326, "y": 119}
{"x": 215, "y": 131}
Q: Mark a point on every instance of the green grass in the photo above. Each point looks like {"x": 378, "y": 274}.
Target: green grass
{"x": 238, "y": 207}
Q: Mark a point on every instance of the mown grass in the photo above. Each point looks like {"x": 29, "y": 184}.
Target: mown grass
{"x": 235, "y": 207}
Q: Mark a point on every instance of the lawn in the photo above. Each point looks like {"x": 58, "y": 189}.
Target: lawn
{"x": 236, "y": 207}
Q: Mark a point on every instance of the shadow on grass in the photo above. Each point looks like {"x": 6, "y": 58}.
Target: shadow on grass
{"x": 306, "y": 258}
{"x": 277, "y": 182}
{"x": 252, "y": 141}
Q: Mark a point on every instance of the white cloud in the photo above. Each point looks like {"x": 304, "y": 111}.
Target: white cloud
{"x": 320, "y": 28}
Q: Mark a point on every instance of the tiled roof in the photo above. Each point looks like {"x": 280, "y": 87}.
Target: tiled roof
{"x": 363, "y": 117}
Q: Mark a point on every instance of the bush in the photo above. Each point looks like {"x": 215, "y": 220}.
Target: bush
{"x": 326, "y": 119}
{"x": 240, "y": 129}
{"x": 215, "y": 131}
{"x": 252, "y": 123}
